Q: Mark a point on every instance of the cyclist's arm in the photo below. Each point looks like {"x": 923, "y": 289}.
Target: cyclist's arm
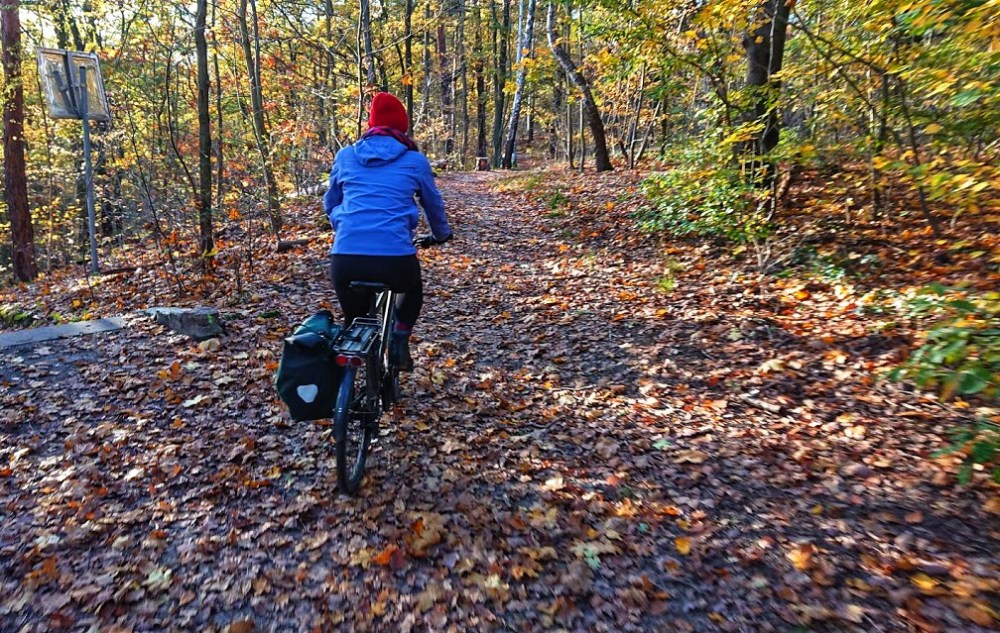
{"x": 430, "y": 200}
{"x": 335, "y": 192}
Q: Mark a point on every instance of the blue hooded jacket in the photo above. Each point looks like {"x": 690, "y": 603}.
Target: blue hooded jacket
{"x": 370, "y": 201}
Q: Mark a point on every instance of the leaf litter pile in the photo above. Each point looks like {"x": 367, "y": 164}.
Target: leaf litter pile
{"x": 604, "y": 432}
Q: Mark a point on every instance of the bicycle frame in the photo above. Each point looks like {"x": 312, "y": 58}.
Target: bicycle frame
{"x": 366, "y": 343}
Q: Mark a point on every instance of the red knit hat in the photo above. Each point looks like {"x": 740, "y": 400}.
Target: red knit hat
{"x": 388, "y": 111}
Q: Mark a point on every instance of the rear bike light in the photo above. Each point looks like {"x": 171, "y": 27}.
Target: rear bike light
{"x": 343, "y": 360}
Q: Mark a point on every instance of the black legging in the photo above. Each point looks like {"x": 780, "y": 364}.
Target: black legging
{"x": 402, "y": 274}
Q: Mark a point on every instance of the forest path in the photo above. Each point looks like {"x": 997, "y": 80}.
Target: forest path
{"x": 577, "y": 449}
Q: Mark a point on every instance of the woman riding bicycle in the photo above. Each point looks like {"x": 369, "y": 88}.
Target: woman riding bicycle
{"x": 371, "y": 207}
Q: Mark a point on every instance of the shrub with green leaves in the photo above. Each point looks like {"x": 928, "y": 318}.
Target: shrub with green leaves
{"x": 960, "y": 352}
{"x": 12, "y": 316}
{"x": 702, "y": 196}
{"x": 981, "y": 445}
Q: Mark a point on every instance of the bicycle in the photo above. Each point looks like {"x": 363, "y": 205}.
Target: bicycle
{"x": 369, "y": 385}
{"x": 370, "y": 382}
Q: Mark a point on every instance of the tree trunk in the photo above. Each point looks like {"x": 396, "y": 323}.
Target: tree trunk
{"x": 206, "y": 242}
{"x": 64, "y": 14}
{"x": 365, "y": 26}
{"x": 261, "y": 134}
{"x": 446, "y": 80}
{"x": 593, "y": 115}
{"x": 480, "y": 74}
{"x": 463, "y": 69}
{"x": 568, "y": 33}
{"x": 220, "y": 170}
{"x": 426, "y": 92}
{"x": 765, "y": 48}
{"x": 15, "y": 181}
{"x": 529, "y": 120}
{"x": 408, "y": 71}
{"x": 500, "y": 78}
{"x": 633, "y": 127}
{"x": 522, "y": 73}
{"x": 557, "y": 107}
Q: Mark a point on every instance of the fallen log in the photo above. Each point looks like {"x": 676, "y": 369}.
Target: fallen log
{"x": 287, "y": 245}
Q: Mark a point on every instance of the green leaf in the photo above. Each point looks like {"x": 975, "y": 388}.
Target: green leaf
{"x": 983, "y": 452}
{"x": 963, "y": 305}
{"x": 973, "y": 381}
{"x": 955, "y": 351}
{"x": 924, "y": 378}
{"x": 937, "y": 289}
{"x": 966, "y": 97}
{"x": 948, "y": 450}
{"x": 965, "y": 473}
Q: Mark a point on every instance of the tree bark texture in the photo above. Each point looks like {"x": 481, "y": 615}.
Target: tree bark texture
{"x": 765, "y": 48}
{"x": 501, "y": 36}
{"x": 261, "y": 134}
{"x": 589, "y": 105}
{"x": 478, "y": 70}
{"x": 522, "y": 73}
{"x": 206, "y": 238}
{"x": 446, "y": 81}
{"x": 15, "y": 181}
{"x": 425, "y": 93}
{"x": 366, "y": 36}
{"x": 408, "y": 71}
{"x": 220, "y": 165}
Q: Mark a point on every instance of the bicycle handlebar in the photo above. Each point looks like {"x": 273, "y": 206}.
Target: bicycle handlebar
{"x": 426, "y": 241}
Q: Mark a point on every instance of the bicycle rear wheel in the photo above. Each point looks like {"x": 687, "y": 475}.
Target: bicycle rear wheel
{"x": 352, "y": 429}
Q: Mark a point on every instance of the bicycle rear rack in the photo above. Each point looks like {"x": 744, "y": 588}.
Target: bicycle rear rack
{"x": 358, "y": 339}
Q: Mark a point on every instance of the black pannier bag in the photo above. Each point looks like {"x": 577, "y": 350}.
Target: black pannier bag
{"x": 308, "y": 376}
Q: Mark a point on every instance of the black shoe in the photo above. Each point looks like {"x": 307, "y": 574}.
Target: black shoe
{"x": 399, "y": 351}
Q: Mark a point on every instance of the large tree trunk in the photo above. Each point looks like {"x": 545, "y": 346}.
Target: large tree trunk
{"x": 15, "y": 182}
{"x": 446, "y": 81}
{"x": 522, "y": 73}
{"x": 261, "y": 134}
{"x": 480, "y": 74}
{"x": 593, "y": 115}
{"x": 765, "y": 48}
{"x": 500, "y": 39}
{"x": 463, "y": 96}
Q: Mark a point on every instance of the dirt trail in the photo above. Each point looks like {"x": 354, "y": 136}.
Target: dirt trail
{"x": 546, "y": 472}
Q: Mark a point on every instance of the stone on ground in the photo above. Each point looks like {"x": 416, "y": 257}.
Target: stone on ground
{"x": 199, "y": 323}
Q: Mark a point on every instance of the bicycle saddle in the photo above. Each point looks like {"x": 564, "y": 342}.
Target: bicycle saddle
{"x": 372, "y": 286}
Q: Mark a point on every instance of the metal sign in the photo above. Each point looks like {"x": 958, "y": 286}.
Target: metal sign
{"x": 74, "y": 90}
{"x": 63, "y": 73}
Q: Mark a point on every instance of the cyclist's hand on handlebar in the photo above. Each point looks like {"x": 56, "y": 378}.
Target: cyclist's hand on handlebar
{"x": 426, "y": 241}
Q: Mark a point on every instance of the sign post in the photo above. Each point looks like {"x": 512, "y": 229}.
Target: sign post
{"x": 74, "y": 89}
